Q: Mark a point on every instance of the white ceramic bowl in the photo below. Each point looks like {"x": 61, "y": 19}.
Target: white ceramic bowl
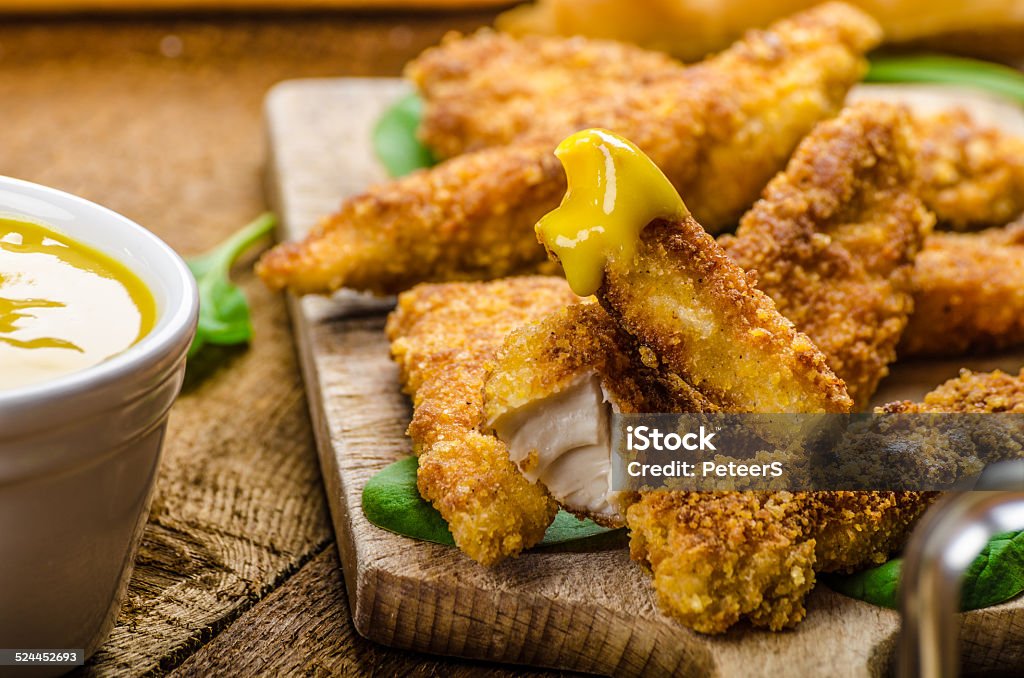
{"x": 79, "y": 453}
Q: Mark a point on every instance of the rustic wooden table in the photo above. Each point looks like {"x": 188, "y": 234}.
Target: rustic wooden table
{"x": 160, "y": 119}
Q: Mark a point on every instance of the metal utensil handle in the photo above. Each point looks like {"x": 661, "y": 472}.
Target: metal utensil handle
{"x": 942, "y": 547}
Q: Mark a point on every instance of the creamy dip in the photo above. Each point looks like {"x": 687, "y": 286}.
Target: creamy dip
{"x": 63, "y": 306}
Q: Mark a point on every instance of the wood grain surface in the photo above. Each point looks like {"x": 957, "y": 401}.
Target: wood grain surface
{"x": 583, "y": 608}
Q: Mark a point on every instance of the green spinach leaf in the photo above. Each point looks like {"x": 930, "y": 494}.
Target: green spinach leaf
{"x": 995, "y": 576}
{"x": 223, "y": 309}
{"x": 878, "y": 585}
{"x": 949, "y": 70}
{"x": 395, "y": 141}
{"x": 392, "y": 501}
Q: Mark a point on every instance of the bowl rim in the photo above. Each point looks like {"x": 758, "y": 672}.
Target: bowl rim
{"x": 173, "y": 325}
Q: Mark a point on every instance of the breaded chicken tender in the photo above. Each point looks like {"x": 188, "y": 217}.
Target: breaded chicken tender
{"x": 971, "y": 392}
{"x": 719, "y": 557}
{"x": 443, "y": 339}
{"x": 489, "y": 88}
{"x": 968, "y": 294}
{"x": 719, "y": 131}
{"x": 462, "y": 220}
{"x": 549, "y": 396}
{"x": 698, "y": 325}
{"x": 972, "y": 175}
{"x": 834, "y": 238}
{"x": 699, "y": 313}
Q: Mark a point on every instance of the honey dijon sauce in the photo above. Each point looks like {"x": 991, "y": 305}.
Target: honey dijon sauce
{"x": 614, "y": 191}
{"x": 63, "y": 306}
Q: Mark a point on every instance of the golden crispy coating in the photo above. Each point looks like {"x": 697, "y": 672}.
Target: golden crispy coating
{"x": 486, "y": 89}
{"x": 724, "y": 130}
{"x": 968, "y": 293}
{"x": 704, "y": 323}
{"x": 973, "y": 176}
{"x": 443, "y": 339}
{"x": 834, "y": 237}
{"x": 462, "y": 220}
{"x": 719, "y": 133}
{"x": 978, "y": 392}
{"x": 717, "y": 557}
{"x": 854, "y": 530}
{"x": 542, "y": 358}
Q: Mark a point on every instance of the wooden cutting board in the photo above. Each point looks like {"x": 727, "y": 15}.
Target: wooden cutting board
{"x": 588, "y": 610}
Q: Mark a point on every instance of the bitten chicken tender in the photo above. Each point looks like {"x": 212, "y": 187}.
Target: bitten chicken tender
{"x": 719, "y": 131}
{"x": 968, "y": 294}
{"x": 549, "y": 396}
{"x": 717, "y": 557}
{"x": 443, "y": 339}
{"x": 711, "y": 342}
{"x": 834, "y": 238}
{"x": 972, "y": 175}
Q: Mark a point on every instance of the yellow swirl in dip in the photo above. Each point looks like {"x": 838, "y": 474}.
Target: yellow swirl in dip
{"x": 63, "y": 306}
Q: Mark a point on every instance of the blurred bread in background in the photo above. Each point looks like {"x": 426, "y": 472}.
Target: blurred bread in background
{"x": 691, "y": 29}
{"x": 65, "y": 6}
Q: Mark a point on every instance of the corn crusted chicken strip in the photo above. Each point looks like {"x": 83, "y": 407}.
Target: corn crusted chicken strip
{"x": 715, "y": 557}
{"x": 773, "y": 543}
{"x": 834, "y": 237}
{"x": 475, "y": 99}
{"x": 443, "y": 339}
{"x": 692, "y": 307}
{"x": 972, "y": 175}
{"x": 971, "y": 392}
{"x": 462, "y": 220}
{"x": 700, "y": 535}
{"x": 719, "y": 557}
{"x": 968, "y": 293}
{"x": 720, "y": 131}
{"x": 489, "y": 88}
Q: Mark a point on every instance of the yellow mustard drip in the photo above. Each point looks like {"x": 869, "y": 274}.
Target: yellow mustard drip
{"x": 614, "y": 192}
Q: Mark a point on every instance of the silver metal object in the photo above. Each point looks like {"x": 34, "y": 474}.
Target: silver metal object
{"x": 945, "y": 542}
